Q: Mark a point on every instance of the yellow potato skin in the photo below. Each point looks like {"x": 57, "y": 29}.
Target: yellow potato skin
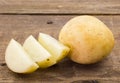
{"x": 90, "y": 39}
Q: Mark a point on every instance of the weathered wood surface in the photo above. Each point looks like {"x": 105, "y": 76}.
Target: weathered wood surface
{"x": 49, "y": 16}
{"x": 20, "y": 27}
{"x": 60, "y": 6}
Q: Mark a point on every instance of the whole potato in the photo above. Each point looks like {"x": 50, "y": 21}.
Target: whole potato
{"x": 90, "y": 39}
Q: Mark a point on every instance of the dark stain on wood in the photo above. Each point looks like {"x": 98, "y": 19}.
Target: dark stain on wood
{"x": 2, "y": 64}
{"x": 49, "y": 22}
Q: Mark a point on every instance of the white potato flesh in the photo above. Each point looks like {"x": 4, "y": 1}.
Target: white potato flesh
{"x": 18, "y": 60}
{"x": 57, "y": 49}
{"x": 38, "y": 53}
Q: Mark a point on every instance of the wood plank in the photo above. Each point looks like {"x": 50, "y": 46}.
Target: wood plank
{"x": 20, "y": 27}
{"x": 60, "y": 6}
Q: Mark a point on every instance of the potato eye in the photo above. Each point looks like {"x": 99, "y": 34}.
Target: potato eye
{"x": 48, "y": 59}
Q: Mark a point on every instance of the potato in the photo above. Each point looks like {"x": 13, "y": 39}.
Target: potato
{"x": 90, "y": 39}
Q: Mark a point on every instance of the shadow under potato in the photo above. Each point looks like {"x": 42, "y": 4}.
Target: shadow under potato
{"x": 62, "y": 71}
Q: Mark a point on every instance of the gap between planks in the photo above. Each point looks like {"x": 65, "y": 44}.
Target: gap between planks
{"x": 62, "y": 14}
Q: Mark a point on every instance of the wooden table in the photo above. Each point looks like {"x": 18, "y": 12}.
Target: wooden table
{"x": 21, "y": 18}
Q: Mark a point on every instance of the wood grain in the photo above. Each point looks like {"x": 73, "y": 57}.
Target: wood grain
{"x": 59, "y": 6}
{"x": 20, "y": 27}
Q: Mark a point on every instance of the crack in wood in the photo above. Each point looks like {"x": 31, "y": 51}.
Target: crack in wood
{"x": 86, "y": 81}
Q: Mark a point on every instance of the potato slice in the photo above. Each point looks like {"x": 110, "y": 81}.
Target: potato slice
{"x": 18, "y": 60}
{"x": 38, "y": 53}
{"x": 57, "y": 49}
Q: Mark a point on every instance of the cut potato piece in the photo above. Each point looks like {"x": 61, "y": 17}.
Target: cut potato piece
{"x": 89, "y": 38}
{"x": 38, "y": 53}
{"x": 58, "y": 50}
{"x": 18, "y": 60}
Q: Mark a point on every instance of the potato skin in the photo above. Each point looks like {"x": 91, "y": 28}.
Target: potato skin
{"x": 90, "y": 39}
